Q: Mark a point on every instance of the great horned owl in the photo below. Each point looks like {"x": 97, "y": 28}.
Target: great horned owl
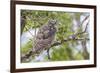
{"x": 43, "y": 39}
{"x": 45, "y": 36}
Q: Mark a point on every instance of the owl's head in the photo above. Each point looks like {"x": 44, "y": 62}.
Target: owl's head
{"x": 52, "y": 22}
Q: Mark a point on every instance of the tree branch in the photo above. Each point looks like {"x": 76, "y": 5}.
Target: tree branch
{"x": 63, "y": 41}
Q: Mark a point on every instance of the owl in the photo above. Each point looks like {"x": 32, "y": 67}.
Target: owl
{"x": 45, "y": 36}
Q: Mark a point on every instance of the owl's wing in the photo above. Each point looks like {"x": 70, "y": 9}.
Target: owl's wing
{"x": 43, "y": 32}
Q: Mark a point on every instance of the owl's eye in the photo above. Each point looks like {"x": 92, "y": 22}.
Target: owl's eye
{"x": 53, "y": 22}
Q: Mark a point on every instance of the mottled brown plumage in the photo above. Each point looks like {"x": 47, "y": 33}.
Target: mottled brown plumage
{"x": 45, "y": 36}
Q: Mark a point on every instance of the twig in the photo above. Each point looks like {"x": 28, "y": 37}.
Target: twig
{"x": 48, "y": 53}
{"x": 85, "y": 19}
{"x": 83, "y": 31}
{"x": 29, "y": 31}
{"x": 85, "y": 26}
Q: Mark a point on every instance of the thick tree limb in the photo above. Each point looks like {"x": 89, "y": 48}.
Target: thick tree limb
{"x": 63, "y": 41}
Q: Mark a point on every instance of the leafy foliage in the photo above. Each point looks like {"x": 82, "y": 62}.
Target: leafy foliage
{"x": 64, "y": 52}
